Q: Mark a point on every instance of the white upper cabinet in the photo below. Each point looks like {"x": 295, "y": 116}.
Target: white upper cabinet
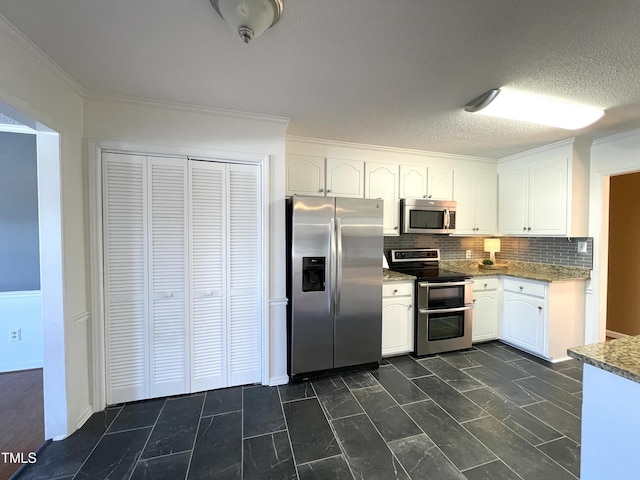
{"x": 345, "y": 178}
{"x": 545, "y": 192}
{"x": 426, "y": 182}
{"x": 305, "y": 175}
{"x": 440, "y": 183}
{"x": 476, "y": 194}
{"x": 413, "y": 181}
{"x": 382, "y": 182}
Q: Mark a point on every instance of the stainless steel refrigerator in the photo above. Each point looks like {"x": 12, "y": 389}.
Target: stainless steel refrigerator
{"x": 334, "y": 283}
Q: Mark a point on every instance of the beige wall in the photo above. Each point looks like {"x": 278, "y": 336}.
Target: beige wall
{"x": 623, "y": 290}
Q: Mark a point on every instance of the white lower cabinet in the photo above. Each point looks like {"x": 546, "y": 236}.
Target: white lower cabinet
{"x": 544, "y": 318}
{"x": 397, "y": 318}
{"x": 486, "y": 309}
{"x": 182, "y": 296}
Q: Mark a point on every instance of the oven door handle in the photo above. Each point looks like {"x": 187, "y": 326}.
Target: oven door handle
{"x": 445, "y": 310}
{"x": 444, "y": 284}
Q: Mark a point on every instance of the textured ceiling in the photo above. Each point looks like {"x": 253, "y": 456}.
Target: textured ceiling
{"x": 395, "y": 73}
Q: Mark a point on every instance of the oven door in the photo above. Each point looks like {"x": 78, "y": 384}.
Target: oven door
{"x": 443, "y": 330}
{"x": 434, "y": 295}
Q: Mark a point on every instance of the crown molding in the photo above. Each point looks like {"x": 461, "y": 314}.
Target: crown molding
{"x": 185, "y": 107}
{"x": 617, "y": 136}
{"x": 382, "y": 148}
{"x": 32, "y": 49}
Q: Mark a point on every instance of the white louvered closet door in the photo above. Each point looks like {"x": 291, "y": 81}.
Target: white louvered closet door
{"x": 168, "y": 275}
{"x": 207, "y": 186}
{"x": 245, "y": 274}
{"x": 125, "y": 277}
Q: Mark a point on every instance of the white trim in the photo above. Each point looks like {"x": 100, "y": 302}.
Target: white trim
{"x": 544, "y": 148}
{"x": 95, "y": 149}
{"x": 275, "y": 381}
{"x": 279, "y": 302}
{"x": 84, "y": 417}
{"x": 381, "y": 148}
{"x": 9, "y": 128}
{"x": 28, "y": 46}
{"x": 81, "y": 317}
{"x": 612, "y": 334}
{"x": 616, "y": 137}
{"x": 185, "y": 107}
{"x": 265, "y": 233}
{"x": 20, "y": 294}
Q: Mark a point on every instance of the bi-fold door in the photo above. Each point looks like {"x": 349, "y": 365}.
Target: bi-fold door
{"x": 182, "y": 258}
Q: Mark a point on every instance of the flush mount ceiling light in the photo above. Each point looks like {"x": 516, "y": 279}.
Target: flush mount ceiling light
{"x": 506, "y": 103}
{"x": 250, "y": 18}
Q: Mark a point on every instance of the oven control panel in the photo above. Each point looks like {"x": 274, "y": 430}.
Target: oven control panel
{"x": 416, "y": 255}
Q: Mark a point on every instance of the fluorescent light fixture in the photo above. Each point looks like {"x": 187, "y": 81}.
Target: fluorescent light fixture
{"x": 506, "y": 103}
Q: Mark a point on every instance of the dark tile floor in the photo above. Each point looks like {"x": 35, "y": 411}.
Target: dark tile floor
{"x": 489, "y": 413}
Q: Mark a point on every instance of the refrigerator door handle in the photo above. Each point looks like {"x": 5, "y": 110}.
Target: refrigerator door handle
{"x": 338, "y": 284}
{"x": 332, "y": 266}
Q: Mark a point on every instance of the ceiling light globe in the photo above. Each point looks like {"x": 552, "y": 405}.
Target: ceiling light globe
{"x": 250, "y": 18}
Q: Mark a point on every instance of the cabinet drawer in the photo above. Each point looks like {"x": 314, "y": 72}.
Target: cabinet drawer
{"x": 524, "y": 286}
{"x": 397, "y": 289}
{"x": 481, "y": 284}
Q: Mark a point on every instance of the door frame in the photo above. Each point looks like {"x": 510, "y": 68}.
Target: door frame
{"x": 95, "y": 149}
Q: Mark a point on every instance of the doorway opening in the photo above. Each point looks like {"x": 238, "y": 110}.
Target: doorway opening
{"x": 34, "y": 390}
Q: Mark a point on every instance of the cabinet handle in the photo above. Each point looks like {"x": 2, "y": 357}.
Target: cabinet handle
{"x": 524, "y": 229}
{"x": 329, "y": 191}
{"x": 529, "y": 228}
{"x": 321, "y": 190}
{"x": 485, "y": 285}
{"x": 540, "y": 308}
{"x": 520, "y": 287}
{"x": 424, "y": 196}
{"x": 395, "y": 291}
{"x": 409, "y": 307}
{"x": 428, "y": 196}
{"x": 395, "y": 228}
{"x": 474, "y": 300}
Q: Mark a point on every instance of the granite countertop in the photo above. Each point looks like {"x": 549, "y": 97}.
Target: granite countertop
{"x": 620, "y": 356}
{"x": 391, "y": 276}
{"x": 532, "y": 271}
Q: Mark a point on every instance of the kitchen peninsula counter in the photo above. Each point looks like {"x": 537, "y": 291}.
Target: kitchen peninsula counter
{"x": 533, "y": 271}
{"x": 620, "y": 356}
{"x": 610, "y": 415}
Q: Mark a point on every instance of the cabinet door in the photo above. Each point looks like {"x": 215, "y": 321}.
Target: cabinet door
{"x": 413, "y": 181}
{"x": 440, "y": 183}
{"x": 305, "y": 175}
{"x": 514, "y": 201}
{"x": 208, "y": 261}
{"x": 125, "y": 277}
{"x": 548, "y": 197}
{"x": 523, "y": 322}
{"x": 486, "y": 320}
{"x": 245, "y": 273}
{"x": 382, "y": 182}
{"x": 168, "y": 316}
{"x": 397, "y": 325}
{"x": 345, "y": 178}
{"x": 463, "y": 194}
{"x": 485, "y": 200}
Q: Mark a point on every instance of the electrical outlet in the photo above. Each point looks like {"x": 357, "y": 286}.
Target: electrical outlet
{"x": 15, "y": 334}
{"x": 468, "y": 254}
{"x": 582, "y": 247}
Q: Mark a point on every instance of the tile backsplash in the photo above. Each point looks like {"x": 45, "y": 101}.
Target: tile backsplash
{"x": 551, "y": 250}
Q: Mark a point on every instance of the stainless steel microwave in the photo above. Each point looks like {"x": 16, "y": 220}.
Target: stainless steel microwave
{"x": 420, "y": 215}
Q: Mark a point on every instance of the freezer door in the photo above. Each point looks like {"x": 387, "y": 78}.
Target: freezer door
{"x": 311, "y": 322}
{"x": 358, "y": 293}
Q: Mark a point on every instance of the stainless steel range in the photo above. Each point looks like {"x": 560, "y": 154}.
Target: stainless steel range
{"x": 444, "y": 313}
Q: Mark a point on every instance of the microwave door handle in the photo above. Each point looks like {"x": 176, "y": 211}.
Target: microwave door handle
{"x": 446, "y": 219}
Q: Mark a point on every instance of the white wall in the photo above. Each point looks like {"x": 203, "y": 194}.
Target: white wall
{"x": 151, "y": 127}
{"x": 613, "y": 155}
{"x": 37, "y": 93}
{"x": 21, "y": 310}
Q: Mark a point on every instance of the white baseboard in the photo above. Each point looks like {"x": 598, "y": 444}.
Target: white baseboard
{"x": 282, "y": 380}
{"x": 612, "y": 334}
{"x": 84, "y": 417}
